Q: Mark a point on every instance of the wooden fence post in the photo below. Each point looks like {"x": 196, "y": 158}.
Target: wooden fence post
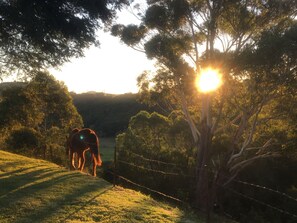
{"x": 114, "y": 165}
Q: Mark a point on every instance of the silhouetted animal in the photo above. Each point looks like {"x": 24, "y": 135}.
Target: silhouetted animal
{"x": 80, "y": 141}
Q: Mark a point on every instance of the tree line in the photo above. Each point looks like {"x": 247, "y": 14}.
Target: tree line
{"x": 107, "y": 114}
{"x": 36, "y": 118}
{"x": 35, "y": 36}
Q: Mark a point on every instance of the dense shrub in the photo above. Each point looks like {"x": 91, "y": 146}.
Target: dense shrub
{"x": 25, "y": 140}
{"x": 163, "y": 145}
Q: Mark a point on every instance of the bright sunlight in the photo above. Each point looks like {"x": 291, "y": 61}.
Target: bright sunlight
{"x": 209, "y": 80}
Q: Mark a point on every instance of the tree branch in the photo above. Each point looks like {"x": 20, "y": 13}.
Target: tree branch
{"x": 195, "y": 43}
{"x": 240, "y": 166}
{"x": 267, "y": 144}
{"x": 244, "y": 163}
{"x": 194, "y": 130}
{"x": 216, "y": 122}
{"x": 228, "y": 124}
{"x": 252, "y": 132}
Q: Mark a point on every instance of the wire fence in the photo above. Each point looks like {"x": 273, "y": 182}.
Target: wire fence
{"x": 156, "y": 171}
{"x": 147, "y": 188}
{"x": 155, "y": 161}
{"x": 267, "y": 189}
{"x": 262, "y": 203}
{"x": 116, "y": 174}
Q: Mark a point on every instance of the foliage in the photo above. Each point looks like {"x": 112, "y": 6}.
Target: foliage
{"x": 36, "y": 118}
{"x": 53, "y": 100}
{"x": 57, "y": 195}
{"x": 40, "y": 34}
{"x": 158, "y": 143}
{"x": 24, "y": 140}
{"x": 253, "y": 44}
{"x": 16, "y": 109}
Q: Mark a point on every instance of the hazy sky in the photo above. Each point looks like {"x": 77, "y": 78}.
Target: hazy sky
{"x": 112, "y": 68}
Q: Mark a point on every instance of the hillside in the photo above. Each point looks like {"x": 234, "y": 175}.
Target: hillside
{"x": 107, "y": 114}
{"x": 38, "y": 191}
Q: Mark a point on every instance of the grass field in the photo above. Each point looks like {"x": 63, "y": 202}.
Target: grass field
{"x": 107, "y": 149}
{"x": 38, "y": 191}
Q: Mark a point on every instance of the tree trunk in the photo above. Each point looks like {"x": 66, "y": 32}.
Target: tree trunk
{"x": 203, "y": 193}
{"x": 51, "y": 153}
{"x": 202, "y": 169}
{"x": 44, "y": 152}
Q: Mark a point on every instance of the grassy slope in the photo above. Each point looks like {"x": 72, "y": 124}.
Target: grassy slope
{"x": 38, "y": 191}
{"x": 107, "y": 149}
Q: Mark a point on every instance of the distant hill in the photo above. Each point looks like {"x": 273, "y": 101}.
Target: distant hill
{"x": 38, "y": 191}
{"x": 106, "y": 113}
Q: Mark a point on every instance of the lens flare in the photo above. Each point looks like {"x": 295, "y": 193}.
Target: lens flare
{"x": 208, "y": 80}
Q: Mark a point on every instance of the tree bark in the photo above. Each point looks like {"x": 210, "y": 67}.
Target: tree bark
{"x": 204, "y": 147}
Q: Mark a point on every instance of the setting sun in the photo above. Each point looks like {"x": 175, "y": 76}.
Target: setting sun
{"x": 208, "y": 80}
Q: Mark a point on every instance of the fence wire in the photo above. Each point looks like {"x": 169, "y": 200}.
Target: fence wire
{"x": 147, "y": 188}
{"x": 156, "y": 161}
{"x": 156, "y": 171}
{"x": 262, "y": 203}
{"x": 189, "y": 176}
{"x": 211, "y": 171}
{"x": 267, "y": 188}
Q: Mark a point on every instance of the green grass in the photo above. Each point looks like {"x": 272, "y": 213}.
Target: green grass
{"x": 107, "y": 149}
{"x": 38, "y": 191}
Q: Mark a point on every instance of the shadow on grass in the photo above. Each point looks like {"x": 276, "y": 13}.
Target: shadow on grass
{"x": 83, "y": 205}
{"x": 37, "y": 194}
{"x": 16, "y": 172}
{"x": 61, "y": 208}
{"x": 24, "y": 182}
{"x": 5, "y": 166}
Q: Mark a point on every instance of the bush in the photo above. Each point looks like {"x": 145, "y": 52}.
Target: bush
{"x": 26, "y": 141}
{"x": 152, "y": 137}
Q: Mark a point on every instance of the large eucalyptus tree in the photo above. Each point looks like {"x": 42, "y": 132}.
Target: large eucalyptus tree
{"x": 184, "y": 36}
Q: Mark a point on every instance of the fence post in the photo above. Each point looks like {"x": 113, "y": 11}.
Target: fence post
{"x": 114, "y": 165}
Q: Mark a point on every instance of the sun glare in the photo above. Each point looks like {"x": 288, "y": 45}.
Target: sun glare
{"x": 208, "y": 80}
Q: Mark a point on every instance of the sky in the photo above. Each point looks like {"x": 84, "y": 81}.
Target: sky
{"x": 112, "y": 68}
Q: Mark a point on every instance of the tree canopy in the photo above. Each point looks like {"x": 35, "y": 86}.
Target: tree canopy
{"x": 37, "y": 116}
{"x": 39, "y": 34}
